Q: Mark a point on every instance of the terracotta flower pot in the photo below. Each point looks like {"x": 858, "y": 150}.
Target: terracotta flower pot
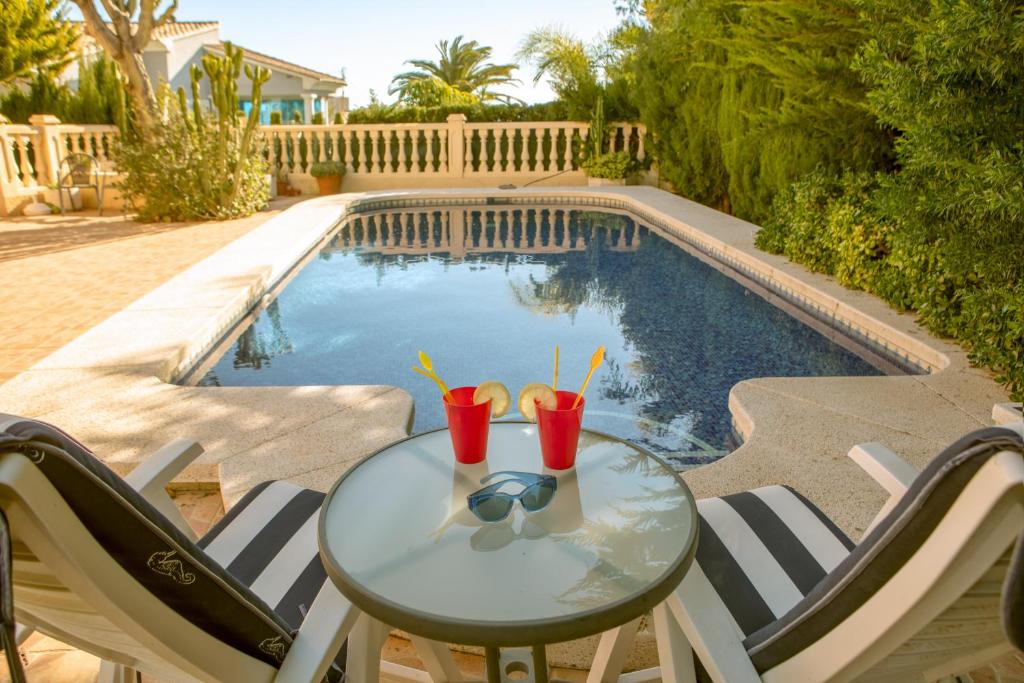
{"x": 330, "y": 184}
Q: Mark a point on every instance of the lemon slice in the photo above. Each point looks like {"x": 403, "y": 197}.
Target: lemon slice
{"x": 542, "y": 394}
{"x": 496, "y": 393}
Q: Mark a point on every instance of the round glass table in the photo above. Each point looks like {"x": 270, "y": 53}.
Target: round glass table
{"x": 399, "y": 541}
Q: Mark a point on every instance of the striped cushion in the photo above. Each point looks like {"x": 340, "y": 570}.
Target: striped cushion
{"x": 268, "y": 541}
{"x": 763, "y": 550}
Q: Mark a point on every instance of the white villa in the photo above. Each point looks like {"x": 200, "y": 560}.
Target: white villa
{"x": 177, "y": 45}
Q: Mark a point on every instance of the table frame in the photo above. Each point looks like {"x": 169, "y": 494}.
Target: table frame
{"x": 618, "y": 621}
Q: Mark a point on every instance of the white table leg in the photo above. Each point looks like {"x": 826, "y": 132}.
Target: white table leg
{"x": 437, "y": 660}
{"x": 674, "y": 652}
{"x": 612, "y": 651}
{"x": 364, "y": 645}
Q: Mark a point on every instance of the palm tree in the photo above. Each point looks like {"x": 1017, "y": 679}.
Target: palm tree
{"x": 463, "y": 66}
{"x": 574, "y": 69}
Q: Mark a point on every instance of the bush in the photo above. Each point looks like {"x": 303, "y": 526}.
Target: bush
{"x": 323, "y": 169}
{"x": 836, "y": 226}
{"x": 613, "y": 165}
{"x": 318, "y": 119}
{"x": 337, "y": 118}
{"x": 275, "y": 118}
{"x": 197, "y": 165}
{"x": 828, "y": 224}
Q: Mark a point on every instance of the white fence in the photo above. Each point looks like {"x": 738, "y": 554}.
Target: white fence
{"x": 376, "y": 156}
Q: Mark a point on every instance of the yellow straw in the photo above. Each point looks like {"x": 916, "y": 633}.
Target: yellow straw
{"x": 595, "y": 363}
{"x": 554, "y": 383}
{"x": 428, "y": 371}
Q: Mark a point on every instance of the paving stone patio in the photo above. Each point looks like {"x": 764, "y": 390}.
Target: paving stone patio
{"x": 61, "y": 275}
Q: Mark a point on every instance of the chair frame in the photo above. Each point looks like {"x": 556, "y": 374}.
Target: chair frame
{"x": 94, "y": 170}
{"x": 984, "y": 521}
{"x": 44, "y": 522}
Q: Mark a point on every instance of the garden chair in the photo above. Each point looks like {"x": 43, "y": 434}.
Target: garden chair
{"x": 109, "y": 565}
{"x": 778, "y": 593}
{"x": 82, "y": 171}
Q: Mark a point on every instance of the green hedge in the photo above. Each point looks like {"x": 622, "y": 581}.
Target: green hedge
{"x": 839, "y": 226}
{"x": 381, "y": 113}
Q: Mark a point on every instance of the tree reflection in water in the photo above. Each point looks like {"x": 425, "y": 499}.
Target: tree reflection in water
{"x": 255, "y": 348}
{"x": 634, "y": 542}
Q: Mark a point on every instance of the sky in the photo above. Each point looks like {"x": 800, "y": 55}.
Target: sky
{"x": 371, "y": 39}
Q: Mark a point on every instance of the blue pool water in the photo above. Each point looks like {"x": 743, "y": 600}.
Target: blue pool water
{"x": 488, "y": 293}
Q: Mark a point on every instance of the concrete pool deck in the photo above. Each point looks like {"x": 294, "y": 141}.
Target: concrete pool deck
{"x": 111, "y": 386}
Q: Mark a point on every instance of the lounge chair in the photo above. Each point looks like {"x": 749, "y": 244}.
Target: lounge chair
{"x": 110, "y": 566}
{"x": 778, "y": 593}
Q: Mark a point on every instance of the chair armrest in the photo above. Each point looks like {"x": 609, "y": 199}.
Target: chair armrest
{"x": 890, "y": 470}
{"x": 151, "y": 477}
{"x": 323, "y": 631}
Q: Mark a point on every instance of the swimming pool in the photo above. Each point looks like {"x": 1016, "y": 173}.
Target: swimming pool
{"x": 488, "y": 292}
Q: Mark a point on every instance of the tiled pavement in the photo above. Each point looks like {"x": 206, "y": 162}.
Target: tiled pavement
{"x": 61, "y": 275}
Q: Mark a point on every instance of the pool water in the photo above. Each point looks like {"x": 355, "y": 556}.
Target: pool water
{"x": 489, "y": 292}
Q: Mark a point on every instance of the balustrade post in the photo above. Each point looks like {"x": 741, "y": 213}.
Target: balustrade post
{"x": 47, "y": 138}
{"x": 456, "y": 145}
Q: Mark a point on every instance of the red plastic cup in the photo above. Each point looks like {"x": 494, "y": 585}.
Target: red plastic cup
{"x": 468, "y": 424}
{"x": 560, "y": 431}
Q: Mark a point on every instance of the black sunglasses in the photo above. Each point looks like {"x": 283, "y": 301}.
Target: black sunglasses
{"x": 491, "y": 505}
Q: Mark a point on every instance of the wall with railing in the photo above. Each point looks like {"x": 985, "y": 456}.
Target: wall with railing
{"x": 376, "y": 156}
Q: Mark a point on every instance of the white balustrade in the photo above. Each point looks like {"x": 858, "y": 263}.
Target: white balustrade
{"x": 378, "y": 155}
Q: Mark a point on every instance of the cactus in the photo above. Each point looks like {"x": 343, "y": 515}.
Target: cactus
{"x": 597, "y": 129}
{"x": 225, "y": 125}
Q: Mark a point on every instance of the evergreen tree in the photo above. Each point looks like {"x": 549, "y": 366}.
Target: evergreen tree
{"x": 34, "y": 36}
{"x": 677, "y": 76}
{"x": 769, "y": 83}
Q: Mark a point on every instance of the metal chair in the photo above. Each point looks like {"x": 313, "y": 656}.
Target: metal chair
{"x": 83, "y": 172}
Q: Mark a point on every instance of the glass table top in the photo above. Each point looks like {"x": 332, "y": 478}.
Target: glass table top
{"x": 398, "y": 538}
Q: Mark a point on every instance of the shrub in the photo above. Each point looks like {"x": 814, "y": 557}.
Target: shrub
{"x": 318, "y": 119}
{"x": 483, "y": 113}
{"x": 275, "y": 118}
{"x": 197, "y": 165}
{"x": 835, "y": 225}
{"x": 323, "y": 169}
{"x": 337, "y": 118}
{"x": 296, "y": 117}
{"x": 613, "y": 165}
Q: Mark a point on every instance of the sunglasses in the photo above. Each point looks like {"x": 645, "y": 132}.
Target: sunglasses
{"x": 490, "y": 504}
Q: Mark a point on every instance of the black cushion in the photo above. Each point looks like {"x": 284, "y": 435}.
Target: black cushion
{"x": 150, "y": 548}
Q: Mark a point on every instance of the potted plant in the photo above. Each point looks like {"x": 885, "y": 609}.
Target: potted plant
{"x": 328, "y": 175}
{"x": 611, "y": 168}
